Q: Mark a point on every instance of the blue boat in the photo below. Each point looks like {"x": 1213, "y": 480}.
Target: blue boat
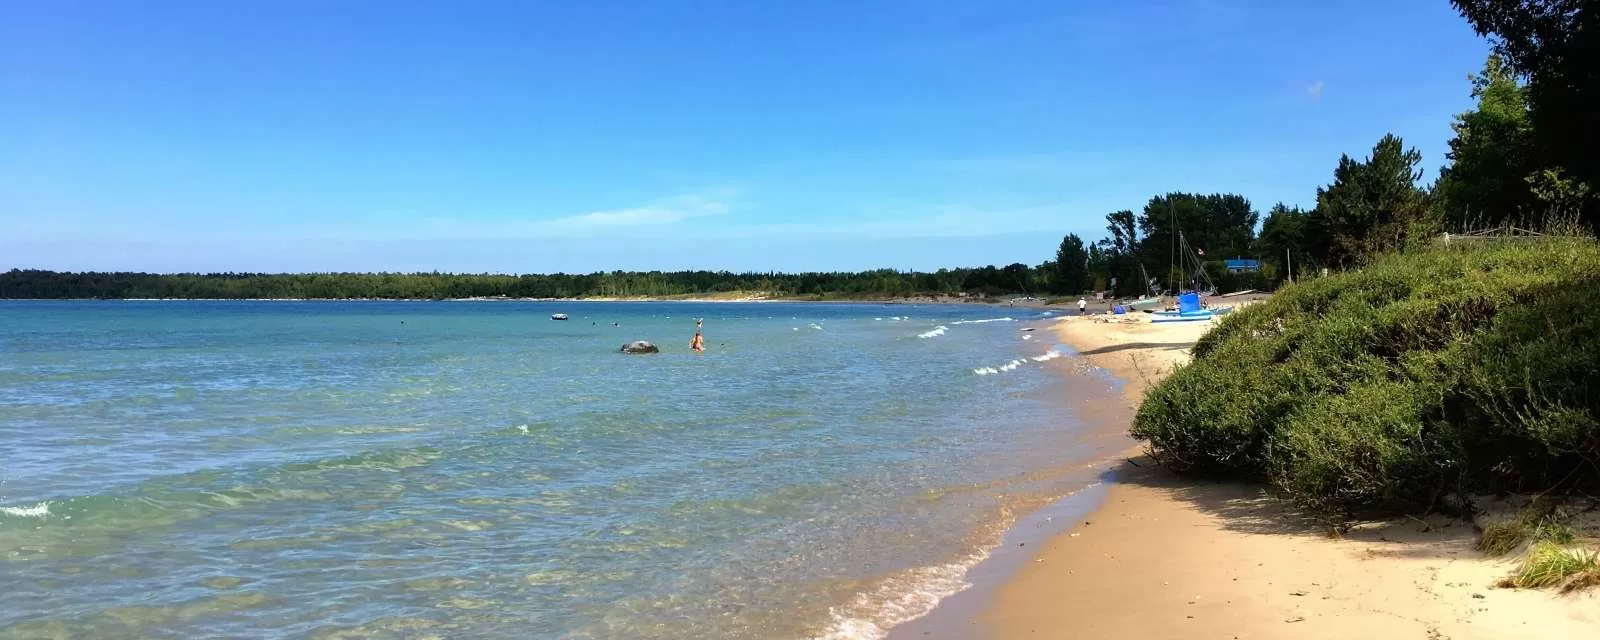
{"x": 1189, "y": 310}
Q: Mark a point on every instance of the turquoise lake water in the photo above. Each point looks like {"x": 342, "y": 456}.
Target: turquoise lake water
{"x": 475, "y": 469}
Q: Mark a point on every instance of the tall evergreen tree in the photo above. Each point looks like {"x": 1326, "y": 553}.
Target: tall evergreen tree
{"x": 1099, "y": 268}
{"x": 1555, "y": 45}
{"x": 1491, "y": 155}
{"x": 1121, "y": 249}
{"x": 1071, "y": 267}
{"x": 1374, "y": 204}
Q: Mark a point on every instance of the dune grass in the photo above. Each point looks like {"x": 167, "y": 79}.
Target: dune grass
{"x": 1537, "y": 523}
{"x": 1552, "y": 565}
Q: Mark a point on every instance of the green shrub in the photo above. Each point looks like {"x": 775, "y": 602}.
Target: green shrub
{"x": 1427, "y": 372}
{"x": 1366, "y": 447}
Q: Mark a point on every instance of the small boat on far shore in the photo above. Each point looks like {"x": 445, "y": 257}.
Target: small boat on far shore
{"x": 1189, "y": 310}
{"x": 1189, "y": 316}
{"x": 558, "y": 316}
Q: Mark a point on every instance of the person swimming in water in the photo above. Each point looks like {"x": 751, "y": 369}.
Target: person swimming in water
{"x": 698, "y": 343}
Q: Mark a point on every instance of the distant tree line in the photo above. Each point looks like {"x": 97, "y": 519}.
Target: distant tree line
{"x": 990, "y": 280}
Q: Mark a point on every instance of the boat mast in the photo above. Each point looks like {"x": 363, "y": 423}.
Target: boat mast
{"x": 1200, "y": 266}
{"x": 1172, "y": 215}
{"x": 1184, "y": 260}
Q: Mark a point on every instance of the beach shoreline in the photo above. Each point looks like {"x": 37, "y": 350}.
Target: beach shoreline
{"x": 1161, "y": 556}
{"x": 1095, "y": 400}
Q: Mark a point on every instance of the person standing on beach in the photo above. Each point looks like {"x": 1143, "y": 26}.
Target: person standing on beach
{"x": 698, "y": 343}
{"x": 1083, "y": 306}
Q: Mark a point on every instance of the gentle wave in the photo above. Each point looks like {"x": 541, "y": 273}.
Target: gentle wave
{"x": 984, "y": 321}
{"x": 36, "y": 511}
{"x": 913, "y": 593}
{"x": 174, "y": 499}
{"x": 901, "y": 598}
{"x": 934, "y": 333}
{"x": 1014, "y": 364}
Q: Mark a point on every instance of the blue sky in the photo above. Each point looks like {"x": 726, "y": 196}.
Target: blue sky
{"x": 542, "y": 136}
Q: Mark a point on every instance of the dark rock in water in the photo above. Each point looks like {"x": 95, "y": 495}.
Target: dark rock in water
{"x": 640, "y": 346}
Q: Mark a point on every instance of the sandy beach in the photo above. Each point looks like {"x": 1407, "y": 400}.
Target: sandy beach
{"x": 1165, "y": 557}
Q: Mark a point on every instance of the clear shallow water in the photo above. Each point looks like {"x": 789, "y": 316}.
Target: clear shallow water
{"x": 407, "y": 469}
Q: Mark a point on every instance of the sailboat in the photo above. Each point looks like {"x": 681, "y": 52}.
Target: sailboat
{"x": 1189, "y": 308}
{"x": 1148, "y": 300}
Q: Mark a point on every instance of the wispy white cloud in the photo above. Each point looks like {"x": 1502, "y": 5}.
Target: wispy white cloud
{"x": 401, "y": 226}
{"x": 935, "y": 221}
{"x": 1314, "y": 91}
{"x": 668, "y": 211}
{"x": 655, "y": 215}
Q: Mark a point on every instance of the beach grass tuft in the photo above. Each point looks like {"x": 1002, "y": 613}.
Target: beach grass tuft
{"x": 1502, "y": 537}
{"x": 1549, "y": 564}
{"x": 1537, "y": 523}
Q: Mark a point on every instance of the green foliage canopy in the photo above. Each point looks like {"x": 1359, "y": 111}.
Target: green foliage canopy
{"x": 1374, "y": 204}
{"x": 1555, "y": 45}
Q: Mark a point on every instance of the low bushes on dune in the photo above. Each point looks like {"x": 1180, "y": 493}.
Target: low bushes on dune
{"x": 1436, "y": 371}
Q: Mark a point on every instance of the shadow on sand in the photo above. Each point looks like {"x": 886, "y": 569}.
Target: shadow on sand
{"x": 1163, "y": 346}
{"x": 1252, "y": 509}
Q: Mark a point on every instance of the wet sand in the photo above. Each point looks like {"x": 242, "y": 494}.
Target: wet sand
{"x": 1164, "y": 557}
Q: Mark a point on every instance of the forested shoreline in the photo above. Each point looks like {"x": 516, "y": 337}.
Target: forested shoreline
{"x": 1015, "y": 279}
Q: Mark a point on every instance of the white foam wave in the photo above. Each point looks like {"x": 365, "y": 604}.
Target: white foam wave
{"x": 983, "y": 321}
{"x": 901, "y": 598}
{"x": 934, "y": 333}
{"x": 908, "y": 595}
{"x": 893, "y": 318}
{"x": 1014, "y": 364}
{"x": 36, "y": 511}
{"x": 1027, "y": 336}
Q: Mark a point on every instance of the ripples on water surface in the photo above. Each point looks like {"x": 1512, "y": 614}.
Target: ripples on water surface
{"x": 406, "y": 469}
